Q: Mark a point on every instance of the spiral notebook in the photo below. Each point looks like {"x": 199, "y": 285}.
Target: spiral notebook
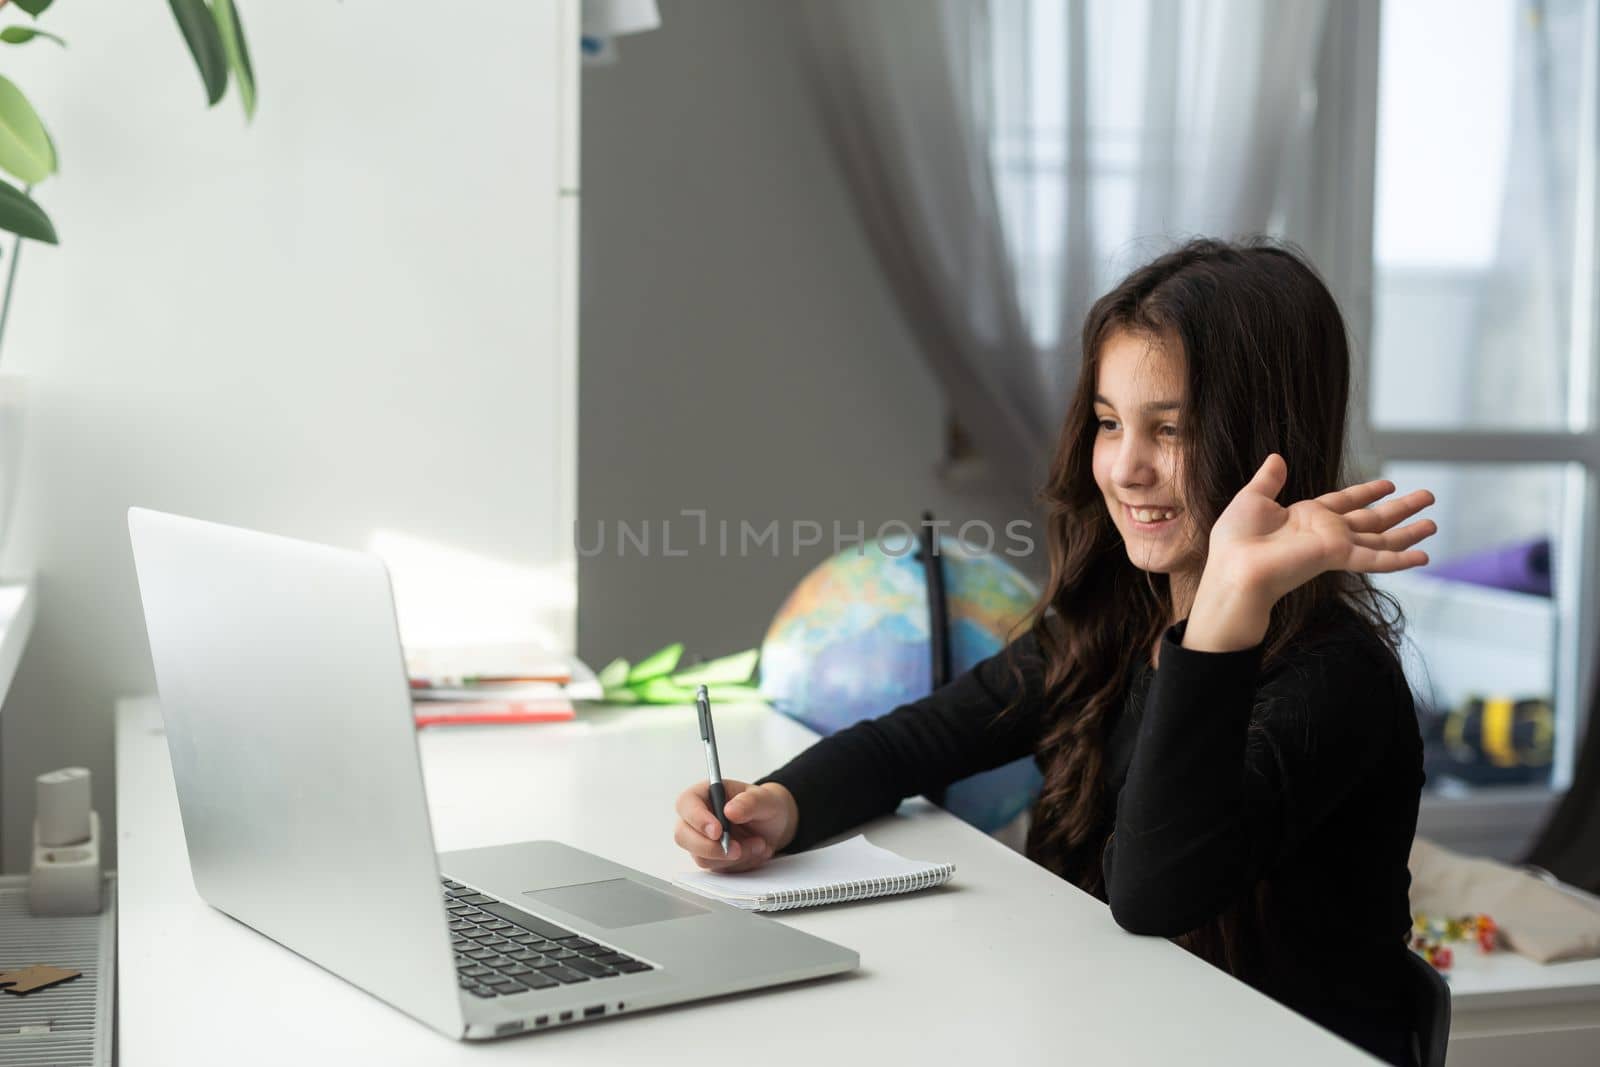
{"x": 851, "y": 870}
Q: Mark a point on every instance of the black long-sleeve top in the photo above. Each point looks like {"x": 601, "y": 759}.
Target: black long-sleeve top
{"x": 1287, "y": 794}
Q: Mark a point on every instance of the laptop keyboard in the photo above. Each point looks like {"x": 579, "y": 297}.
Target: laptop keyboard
{"x": 501, "y": 950}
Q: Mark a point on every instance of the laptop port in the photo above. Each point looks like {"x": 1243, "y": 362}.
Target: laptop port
{"x": 590, "y": 1013}
{"x": 543, "y": 1020}
{"x": 508, "y": 1028}
{"x": 566, "y": 1016}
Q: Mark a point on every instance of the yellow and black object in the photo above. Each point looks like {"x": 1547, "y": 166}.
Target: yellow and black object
{"x": 1495, "y": 740}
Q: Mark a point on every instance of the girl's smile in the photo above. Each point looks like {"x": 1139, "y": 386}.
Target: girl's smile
{"x": 1151, "y": 520}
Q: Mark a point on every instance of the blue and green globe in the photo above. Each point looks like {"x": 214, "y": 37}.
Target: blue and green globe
{"x": 852, "y": 642}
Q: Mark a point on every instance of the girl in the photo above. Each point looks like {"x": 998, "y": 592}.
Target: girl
{"x": 1209, "y": 681}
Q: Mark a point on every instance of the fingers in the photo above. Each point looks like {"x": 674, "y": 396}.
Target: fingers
{"x": 751, "y": 852}
{"x": 743, "y": 852}
{"x": 693, "y": 840}
{"x": 694, "y": 808}
{"x": 1270, "y": 476}
{"x": 1398, "y": 540}
{"x": 1374, "y": 561}
{"x": 1356, "y": 496}
{"x": 1382, "y": 516}
{"x": 745, "y": 802}
{"x": 749, "y": 804}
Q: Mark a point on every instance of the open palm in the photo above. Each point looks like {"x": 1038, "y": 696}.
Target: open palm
{"x": 1262, "y": 545}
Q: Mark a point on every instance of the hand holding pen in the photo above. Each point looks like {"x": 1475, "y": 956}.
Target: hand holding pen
{"x": 728, "y": 825}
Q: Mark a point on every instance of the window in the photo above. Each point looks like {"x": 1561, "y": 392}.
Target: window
{"x": 1482, "y": 370}
{"x": 1481, "y": 358}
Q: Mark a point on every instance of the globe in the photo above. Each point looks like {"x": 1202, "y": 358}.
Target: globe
{"x": 852, "y": 642}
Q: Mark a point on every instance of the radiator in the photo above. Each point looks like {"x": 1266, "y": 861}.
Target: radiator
{"x": 67, "y": 1025}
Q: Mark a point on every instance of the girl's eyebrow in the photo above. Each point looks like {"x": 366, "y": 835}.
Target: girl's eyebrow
{"x": 1154, "y": 405}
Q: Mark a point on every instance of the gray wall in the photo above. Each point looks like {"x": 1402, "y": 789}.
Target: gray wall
{"x": 739, "y": 351}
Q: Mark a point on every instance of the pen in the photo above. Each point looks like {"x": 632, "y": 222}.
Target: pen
{"x": 719, "y": 795}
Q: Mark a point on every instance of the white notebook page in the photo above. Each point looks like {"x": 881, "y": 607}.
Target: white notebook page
{"x": 854, "y": 860}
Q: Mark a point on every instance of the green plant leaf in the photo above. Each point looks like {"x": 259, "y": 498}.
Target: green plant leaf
{"x": 232, "y": 32}
{"x": 205, "y": 44}
{"x": 22, "y": 35}
{"x": 34, "y": 7}
{"x": 620, "y": 696}
{"x": 25, "y": 148}
{"x": 21, "y": 216}
{"x": 613, "y": 675}
{"x": 663, "y": 662}
{"x": 729, "y": 669}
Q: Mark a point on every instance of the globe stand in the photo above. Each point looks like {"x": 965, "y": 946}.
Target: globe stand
{"x": 938, "y": 613}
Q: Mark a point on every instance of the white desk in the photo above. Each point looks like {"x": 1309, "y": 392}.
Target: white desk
{"x": 1005, "y": 964}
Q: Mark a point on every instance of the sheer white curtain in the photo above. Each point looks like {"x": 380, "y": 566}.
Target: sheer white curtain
{"x": 1010, "y": 159}
{"x": 1122, "y": 124}
{"x": 1523, "y": 302}
{"x": 906, "y": 92}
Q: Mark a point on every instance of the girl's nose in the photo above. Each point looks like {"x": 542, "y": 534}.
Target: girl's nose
{"x": 1133, "y": 467}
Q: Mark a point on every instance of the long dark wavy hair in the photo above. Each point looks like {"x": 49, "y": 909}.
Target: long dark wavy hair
{"x": 1267, "y": 368}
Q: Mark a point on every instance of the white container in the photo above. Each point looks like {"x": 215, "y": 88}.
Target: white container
{"x": 61, "y": 807}
{"x": 66, "y": 880}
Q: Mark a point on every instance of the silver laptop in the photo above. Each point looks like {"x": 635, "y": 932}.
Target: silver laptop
{"x": 289, "y": 719}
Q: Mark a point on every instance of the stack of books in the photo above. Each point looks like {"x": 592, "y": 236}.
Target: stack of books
{"x": 485, "y": 685}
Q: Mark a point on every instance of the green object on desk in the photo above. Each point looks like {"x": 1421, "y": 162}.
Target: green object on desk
{"x": 656, "y": 666}
{"x": 656, "y": 680}
{"x": 614, "y": 675}
{"x": 736, "y": 669}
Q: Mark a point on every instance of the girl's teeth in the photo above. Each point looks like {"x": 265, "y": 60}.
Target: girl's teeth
{"x": 1153, "y": 514}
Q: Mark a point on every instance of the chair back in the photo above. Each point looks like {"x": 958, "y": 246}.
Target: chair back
{"x": 1429, "y": 1000}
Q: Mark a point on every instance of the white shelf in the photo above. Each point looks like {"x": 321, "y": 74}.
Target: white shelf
{"x": 17, "y": 607}
{"x": 1506, "y": 980}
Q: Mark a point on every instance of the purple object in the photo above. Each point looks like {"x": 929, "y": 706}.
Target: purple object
{"x": 1521, "y": 568}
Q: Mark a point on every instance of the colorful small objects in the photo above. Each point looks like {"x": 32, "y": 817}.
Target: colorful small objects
{"x": 1486, "y": 933}
{"x": 1431, "y": 936}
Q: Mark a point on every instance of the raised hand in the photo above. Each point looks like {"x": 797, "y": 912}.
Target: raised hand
{"x": 1260, "y": 550}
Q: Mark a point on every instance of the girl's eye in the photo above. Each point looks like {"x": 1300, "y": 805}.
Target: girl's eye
{"x": 1169, "y": 430}
{"x": 1108, "y": 424}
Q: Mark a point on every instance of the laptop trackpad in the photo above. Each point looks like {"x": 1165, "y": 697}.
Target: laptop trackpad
{"x": 616, "y": 902}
